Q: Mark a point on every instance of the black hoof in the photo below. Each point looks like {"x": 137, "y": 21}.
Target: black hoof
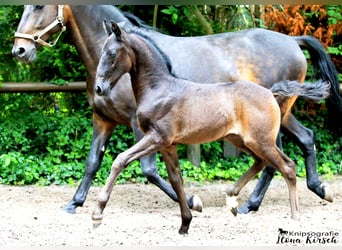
{"x": 246, "y": 208}
{"x": 69, "y": 209}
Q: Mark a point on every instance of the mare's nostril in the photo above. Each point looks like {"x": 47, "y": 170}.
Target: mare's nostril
{"x": 19, "y": 52}
{"x": 98, "y": 89}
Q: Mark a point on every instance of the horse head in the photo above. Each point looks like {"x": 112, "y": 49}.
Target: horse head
{"x": 116, "y": 59}
{"x": 38, "y": 23}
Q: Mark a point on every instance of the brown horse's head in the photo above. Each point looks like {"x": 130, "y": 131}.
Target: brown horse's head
{"x": 37, "y": 24}
{"x": 116, "y": 59}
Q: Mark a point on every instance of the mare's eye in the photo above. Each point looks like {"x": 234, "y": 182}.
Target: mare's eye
{"x": 38, "y": 7}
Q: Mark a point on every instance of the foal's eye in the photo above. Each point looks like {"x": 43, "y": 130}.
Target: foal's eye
{"x": 38, "y": 7}
{"x": 112, "y": 54}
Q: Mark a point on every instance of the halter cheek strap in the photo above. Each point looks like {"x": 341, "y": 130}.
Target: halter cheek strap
{"x": 37, "y": 36}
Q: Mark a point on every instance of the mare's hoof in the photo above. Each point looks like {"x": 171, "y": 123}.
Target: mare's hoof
{"x": 329, "y": 196}
{"x": 246, "y": 208}
{"x": 69, "y": 209}
{"x": 232, "y": 204}
{"x": 197, "y": 204}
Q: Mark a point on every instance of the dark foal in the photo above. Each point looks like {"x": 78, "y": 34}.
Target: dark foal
{"x": 171, "y": 111}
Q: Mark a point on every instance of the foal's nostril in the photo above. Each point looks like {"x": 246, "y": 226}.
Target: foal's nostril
{"x": 98, "y": 90}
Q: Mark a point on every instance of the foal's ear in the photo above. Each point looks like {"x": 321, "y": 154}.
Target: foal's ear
{"x": 106, "y": 27}
{"x": 116, "y": 30}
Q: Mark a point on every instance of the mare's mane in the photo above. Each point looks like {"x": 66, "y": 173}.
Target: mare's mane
{"x": 137, "y": 22}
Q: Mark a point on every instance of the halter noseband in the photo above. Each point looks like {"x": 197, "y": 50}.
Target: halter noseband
{"x": 37, "y": 36}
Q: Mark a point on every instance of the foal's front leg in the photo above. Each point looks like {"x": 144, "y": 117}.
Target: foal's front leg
{"x": 172, "y": 164}
{"x": 144, "y": 147}
{"x": 149, "y": 168}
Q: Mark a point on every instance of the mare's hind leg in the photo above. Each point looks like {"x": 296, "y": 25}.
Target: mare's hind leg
{"x": 172, "y": 164}
{"x": 102, "y": 130}
{"x": 305, "y": 140}
{"x": 149, "y": 168}
{"x": 258, "y": 194}
{"x": 145, "y": 146}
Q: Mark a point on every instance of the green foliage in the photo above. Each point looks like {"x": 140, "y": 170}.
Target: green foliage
{"x": 334, "y": 13}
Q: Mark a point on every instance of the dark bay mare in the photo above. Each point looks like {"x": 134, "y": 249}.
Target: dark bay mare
{"x": 171, "y": 111}
{"x": 246, "y": 55}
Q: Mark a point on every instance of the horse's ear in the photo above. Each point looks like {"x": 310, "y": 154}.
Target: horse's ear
{"x": 106, "y": 27}
{"x": 116, "y": 30}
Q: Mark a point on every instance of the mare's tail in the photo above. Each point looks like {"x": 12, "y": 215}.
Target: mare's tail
{"x": 325, "y": 69}
{"x": 315, "y": 91}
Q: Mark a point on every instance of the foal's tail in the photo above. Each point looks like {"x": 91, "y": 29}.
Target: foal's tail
{"x": 315, "y": 91}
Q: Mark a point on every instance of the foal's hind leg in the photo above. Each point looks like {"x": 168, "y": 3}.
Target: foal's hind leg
{"x": 305, "y": 139}
{"x": 172, "y": 164}
{"x": 149, "y": 168}
{"x": 288, "y": 170}
{"x": 234, "y": 190}
{"x": 266, "y": 152}
{"x": 258, "y": 194}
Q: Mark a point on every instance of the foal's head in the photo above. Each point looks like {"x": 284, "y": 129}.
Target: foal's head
{"x": 117, "y": 58}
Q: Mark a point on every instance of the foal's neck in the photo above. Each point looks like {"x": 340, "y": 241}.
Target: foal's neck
{"x": 150, "y": 63}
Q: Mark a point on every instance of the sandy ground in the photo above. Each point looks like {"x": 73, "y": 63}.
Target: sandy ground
{"x": 141, "y": 215}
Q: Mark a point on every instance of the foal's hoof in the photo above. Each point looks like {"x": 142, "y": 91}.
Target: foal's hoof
{"x": 329, "y": 196}
{"x": 232, "y": 204}
{"x": 97, "y": 220}
{"x": 96, "y": 224}
{"x": 295, "y": 217}
{"x": 197, "y": 204}
{"x": 183, "y": 230}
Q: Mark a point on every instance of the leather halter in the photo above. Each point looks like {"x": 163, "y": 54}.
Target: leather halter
{"x": 37, "y": 36}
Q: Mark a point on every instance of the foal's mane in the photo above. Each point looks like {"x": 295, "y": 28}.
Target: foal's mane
{"x": 165, "y": 58}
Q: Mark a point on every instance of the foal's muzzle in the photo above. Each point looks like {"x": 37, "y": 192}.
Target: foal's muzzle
{"x": 100, "y": 88}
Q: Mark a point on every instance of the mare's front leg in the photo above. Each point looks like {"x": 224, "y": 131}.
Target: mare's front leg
{"x": 102, "y": 131}
{"x": 172, "y": 165}
{"x": 305, "y": 140}
{"x": 149, "y": 168}
{"x": 147, "y": 145}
